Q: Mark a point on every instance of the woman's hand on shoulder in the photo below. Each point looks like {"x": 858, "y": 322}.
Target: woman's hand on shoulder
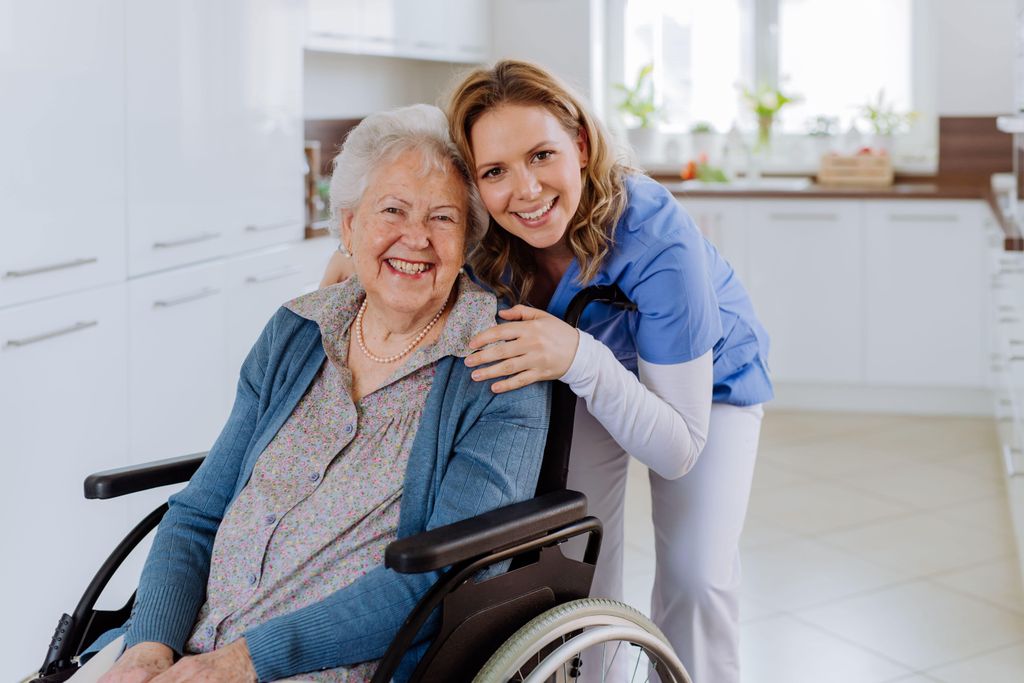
{"x": 229, "y": 664}
{"x": 140, "y": 663}
{"x": 339, "y": 269}
{"x": 536, "y": 347}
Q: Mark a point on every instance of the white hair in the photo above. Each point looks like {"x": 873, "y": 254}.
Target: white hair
{"x": 381, "y": 138}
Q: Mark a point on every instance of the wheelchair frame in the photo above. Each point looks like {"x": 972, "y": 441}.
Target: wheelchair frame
{"x": 476, "y": 617}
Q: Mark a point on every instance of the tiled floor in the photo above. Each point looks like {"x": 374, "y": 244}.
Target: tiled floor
{"x": 877, "y": 549}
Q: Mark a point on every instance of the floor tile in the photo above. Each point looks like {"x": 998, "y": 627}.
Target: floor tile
{"x": 1000, "y": 666}
{"x": 769, "y": 475}
{"x": 782, "y": 648}
{"x": 922, "y": 544}
{"x": 837, "y": 457}
{"x": 924, "y": 485}
{"x": 821, "y": 506}
{"x": 919, "y": 624}
{"x": 997, "y": 582}
{"x": 803, "y": 572}
{"x": 990, "y": 513}
{"x": 759, "y": 530}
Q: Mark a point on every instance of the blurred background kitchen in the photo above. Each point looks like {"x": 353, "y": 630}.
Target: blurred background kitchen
{"x": 162, "y": 176}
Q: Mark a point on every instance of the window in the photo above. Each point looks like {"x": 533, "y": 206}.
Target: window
{"x": 696, "y": 49}
{"x": 835, "y": 54}
{"x": 840, "y": 55}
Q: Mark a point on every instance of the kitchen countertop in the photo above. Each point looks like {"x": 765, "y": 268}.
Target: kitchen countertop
{"x": 994, "y": 193}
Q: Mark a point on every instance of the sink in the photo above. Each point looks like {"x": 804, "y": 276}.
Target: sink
{"x": 759, "y": 184}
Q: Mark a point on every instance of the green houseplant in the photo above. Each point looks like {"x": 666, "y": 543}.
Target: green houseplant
{"x": 638, "y": 100}
{"x": 766, "y": 102}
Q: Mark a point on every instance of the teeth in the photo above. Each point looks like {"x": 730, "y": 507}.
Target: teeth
{"x": 407, "y": 267}
{"x": 536, "y": 214}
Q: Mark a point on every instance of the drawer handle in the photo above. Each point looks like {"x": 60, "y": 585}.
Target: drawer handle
{"x": 269, "y": 226}
{"x": 1009, "y": 320}
{"x": 202, "y": 294}
{"x": 1011, "y": 469}
{"x": 77, "y": 327}
{"x": 275, "y": 275}
{"x": 205, "y": 237}
{"x": 803, "y": 216}
{"x": 48, "y": 269}
{"x": 923, "y": 218}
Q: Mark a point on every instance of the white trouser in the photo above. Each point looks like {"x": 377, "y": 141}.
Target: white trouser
{"x": 697, "y": 524}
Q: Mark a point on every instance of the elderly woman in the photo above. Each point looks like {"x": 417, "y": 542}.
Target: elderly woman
{"x": 354, "y": 424}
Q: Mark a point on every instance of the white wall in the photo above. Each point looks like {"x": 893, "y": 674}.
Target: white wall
{"x": 974, "y": 56}
{"x": 564, "y": 36}
{"x": 340, "y": 86}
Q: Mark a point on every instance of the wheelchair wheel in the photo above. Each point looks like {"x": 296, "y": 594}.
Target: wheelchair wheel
{"x": 554, "y": 645}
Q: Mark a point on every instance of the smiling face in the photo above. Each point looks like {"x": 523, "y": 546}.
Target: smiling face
{"x": 528, "y": 171}
{"x": 407, "y": 236}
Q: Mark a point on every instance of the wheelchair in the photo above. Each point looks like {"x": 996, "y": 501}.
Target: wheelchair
{"x": 531, "y": 623}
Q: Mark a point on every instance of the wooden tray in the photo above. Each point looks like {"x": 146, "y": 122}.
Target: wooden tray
{"x": 872, "y": 170}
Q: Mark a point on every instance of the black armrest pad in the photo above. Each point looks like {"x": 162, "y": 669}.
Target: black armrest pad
{"x": 142, "y": 477}
{"x": 484, "y": 533}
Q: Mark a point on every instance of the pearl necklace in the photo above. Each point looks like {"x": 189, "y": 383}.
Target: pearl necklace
{"x": 403, "y": 352}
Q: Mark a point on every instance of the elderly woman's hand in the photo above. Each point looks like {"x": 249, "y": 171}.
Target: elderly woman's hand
{"x": 537, "y": 347}
{"x": 140, "y": 663}
{"x": 229, "y": 664}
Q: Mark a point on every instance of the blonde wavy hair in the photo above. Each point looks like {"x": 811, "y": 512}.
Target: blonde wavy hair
{"x": 503, "y": 261}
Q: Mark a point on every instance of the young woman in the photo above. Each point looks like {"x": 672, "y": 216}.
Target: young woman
{"x": 683, "y": 376}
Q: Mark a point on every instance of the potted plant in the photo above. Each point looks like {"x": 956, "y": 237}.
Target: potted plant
{"x": 703, "y": 137}
{"x": 766, "y": 102}
{"x": 638, "y": 106}
{"x": 884, "y": 121}
{"x": 821, "y": 132}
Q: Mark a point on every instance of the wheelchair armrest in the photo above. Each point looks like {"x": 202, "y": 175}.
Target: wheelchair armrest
{"x": 149, "y": 475}
{"x": 484, "y": 533}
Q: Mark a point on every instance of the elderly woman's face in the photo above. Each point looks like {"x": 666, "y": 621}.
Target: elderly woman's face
{"x": 408, "y": 235}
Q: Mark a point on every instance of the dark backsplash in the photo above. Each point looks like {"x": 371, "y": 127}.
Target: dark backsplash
{"x": 331, "y": 133}
{"x": 971, "y": 147}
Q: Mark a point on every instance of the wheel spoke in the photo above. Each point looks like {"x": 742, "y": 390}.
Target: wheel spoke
{"x": 614, "y": 655}
{"x": 604, "y": 651}
{"x": 639, "y": 657}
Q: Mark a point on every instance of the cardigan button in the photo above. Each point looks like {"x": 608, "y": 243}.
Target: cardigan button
{"x": 348, "y": 429}
{"x": 253, "y": 579}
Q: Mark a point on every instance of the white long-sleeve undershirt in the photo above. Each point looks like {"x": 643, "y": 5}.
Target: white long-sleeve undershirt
{"x": 660, "y": 419}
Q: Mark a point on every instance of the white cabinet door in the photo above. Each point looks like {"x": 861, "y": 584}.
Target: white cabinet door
{"x": 925, "y": 320}
{"x": 176, "y": 361}
{"x": 184, "y": 60}
{"x": 724, "y": 224}
{"x": 805, "y": 279}
{"x": 469, "y": 30}
{"x": 257, "y": 286}
{"x": 266, "y": 167}
{"x": 62, "y": 141}
{"x": 352, "y": 26}
{"x": 63, "y": 416}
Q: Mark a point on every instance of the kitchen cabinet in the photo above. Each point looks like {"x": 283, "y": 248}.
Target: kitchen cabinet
{"x": 63, "y": 415}
{"x": 724, "y": 224}
{"x": 177, "y": 333}
{"x": 62, "y": 184}
{"x": 925, "y": 279}
{"x": 440, "y": 30}
{"x": 805, "y": 277}
{"x": 213, "y": 129}
{"x": 257, "y": 285}
{"x": 267, "y": 165}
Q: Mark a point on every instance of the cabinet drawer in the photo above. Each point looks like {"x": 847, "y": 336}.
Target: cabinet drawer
{"x": 63, "y": 415}
{"x": 176, "y": 361}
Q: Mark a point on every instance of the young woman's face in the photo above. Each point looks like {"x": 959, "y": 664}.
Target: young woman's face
{"x": 528, "y": 171}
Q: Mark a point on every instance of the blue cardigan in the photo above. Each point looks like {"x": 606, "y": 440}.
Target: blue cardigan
{"x": 474, "y": 451}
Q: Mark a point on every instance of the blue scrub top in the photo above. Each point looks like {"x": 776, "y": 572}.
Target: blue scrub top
{"x": 688, "y": 298}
